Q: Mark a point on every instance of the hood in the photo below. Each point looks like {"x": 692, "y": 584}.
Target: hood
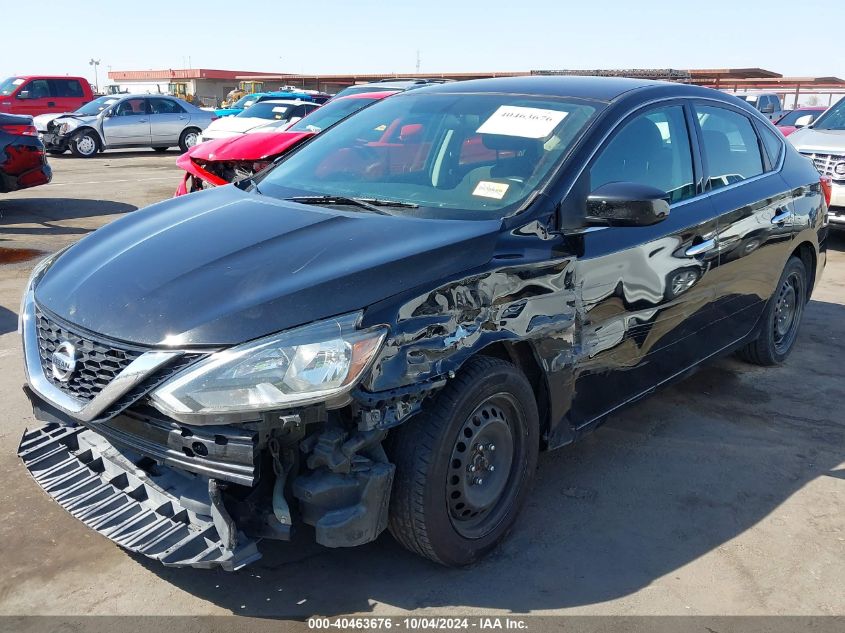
{"x": 228, "y": 111}
{"x": 256, "y": 146}
{"x": 43, "y": 120}
{"x": 811, "y": 140}
{"x": 226, "y": 266}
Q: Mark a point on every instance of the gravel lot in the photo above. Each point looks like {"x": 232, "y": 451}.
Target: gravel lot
{"x": 724, "y": 494}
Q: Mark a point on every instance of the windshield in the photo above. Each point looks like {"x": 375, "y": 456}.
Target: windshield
{"x": 10, "y": 85}
{"x": 466, "y": 156}
{"x": 792, "y": 117}
{"x": 92, "y": 108}
{"x": 245, "y": 101}
{"x": 833, "y": 119}
{"x": 330, "y": 114}
{"x": 267, "y": 110}
{"x": 356, "y": 90}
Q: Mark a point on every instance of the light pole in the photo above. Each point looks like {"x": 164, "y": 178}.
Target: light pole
{"x": 95, "y": 63}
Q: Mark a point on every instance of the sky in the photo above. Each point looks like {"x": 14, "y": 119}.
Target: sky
{"x": 372, "y": 36}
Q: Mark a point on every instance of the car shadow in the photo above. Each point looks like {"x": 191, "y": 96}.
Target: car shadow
{"x": 836, "y": 240}
{"x": 119, "y": 153}
{"x": 44, "y": 212}
{"x": 8, "y": 320}
{"x": 661, "y": 484}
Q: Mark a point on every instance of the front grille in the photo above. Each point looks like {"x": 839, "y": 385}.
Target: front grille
{"x": 98, "y": 360}
{"x": 826, "y": 162}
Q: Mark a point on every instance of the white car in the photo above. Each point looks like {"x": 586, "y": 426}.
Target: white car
{"x": 823, "y": 142}
{"x": 272, "y": 111}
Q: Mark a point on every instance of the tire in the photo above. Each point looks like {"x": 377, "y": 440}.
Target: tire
{"x": 781, "y": 319}
{"x": 85, "y": 144}
{"x": 449, "y": 502}
{"x": 160, "y": 150}
{"x": 188, "y": 138}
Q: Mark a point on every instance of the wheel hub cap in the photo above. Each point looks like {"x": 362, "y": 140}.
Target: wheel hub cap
{"x": 480, "y": 465}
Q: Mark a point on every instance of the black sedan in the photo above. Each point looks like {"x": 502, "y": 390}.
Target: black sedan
{"x": 383, "y": 329}
{"x": 23, "y": 162}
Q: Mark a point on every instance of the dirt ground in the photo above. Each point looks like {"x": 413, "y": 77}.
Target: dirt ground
{"x": 724, "y": 494}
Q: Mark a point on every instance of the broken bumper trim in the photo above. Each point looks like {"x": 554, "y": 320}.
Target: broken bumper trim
{"x": 102, "y": 487}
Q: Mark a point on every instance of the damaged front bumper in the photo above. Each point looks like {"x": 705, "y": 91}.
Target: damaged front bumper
{"x": 176, "y": 520}
{"x": 191, "y": 496}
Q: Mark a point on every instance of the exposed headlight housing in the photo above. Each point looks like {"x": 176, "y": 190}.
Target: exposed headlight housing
{"x": 301, "y": 366}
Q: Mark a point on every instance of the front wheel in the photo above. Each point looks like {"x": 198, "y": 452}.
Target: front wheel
{"x": 188, "y": 139}
{"x": 464, "y": 465}
{"x": 84, "y": 144}
{"x": 781, "y": 319}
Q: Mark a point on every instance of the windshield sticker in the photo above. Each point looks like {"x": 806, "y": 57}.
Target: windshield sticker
{"x": 487, "y": 189}
{"x": 281, "y": 109}
{"x": 524, "y": 122}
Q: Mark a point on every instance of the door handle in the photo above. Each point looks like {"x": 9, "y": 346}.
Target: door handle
{"x": 142, "y": 121}
{"x": 51, "y": 104}
{"x": 699, "y": 249}
{"x": 782, "y": 216}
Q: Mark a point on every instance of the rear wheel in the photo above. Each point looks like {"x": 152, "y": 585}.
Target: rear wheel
{"x": 189, "y": 138}
{"x": 464, "y": 465}
{"x": 84, "y": 144}
{"x": 782, "y": 318}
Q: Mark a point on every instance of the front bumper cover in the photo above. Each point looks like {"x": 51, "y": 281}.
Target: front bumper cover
{"x": 169, "y": 516}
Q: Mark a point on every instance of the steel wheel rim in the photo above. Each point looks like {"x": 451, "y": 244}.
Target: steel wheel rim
{"x": 86, "y": 145}
{"x": 191, "y": 139}
{"x": 483, "y": 473}
{"x": 788, "y": 309}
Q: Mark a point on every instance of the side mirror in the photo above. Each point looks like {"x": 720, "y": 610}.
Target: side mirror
{"x": 23, "y": 94}
{"x": 804, "y": 121}
{"x": 108, "y": 112}
{"x": 627, "y": 204}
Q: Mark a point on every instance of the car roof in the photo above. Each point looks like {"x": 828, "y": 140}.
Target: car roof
{"x": 375, "y": 94}
{"x": 285, "y": 101}
{"x": 585, "y": 87}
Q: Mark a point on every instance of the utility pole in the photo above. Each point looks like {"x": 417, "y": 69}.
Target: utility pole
{"x": 95, "y": 63}
{"x": 418, "y": 61}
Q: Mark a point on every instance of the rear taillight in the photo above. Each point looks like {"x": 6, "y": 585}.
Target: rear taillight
{"x": 827, "y": 188}
{"x": 19, "y": 130}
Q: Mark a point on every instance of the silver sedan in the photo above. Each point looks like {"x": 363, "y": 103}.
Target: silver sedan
{"x": 120, "y": 121}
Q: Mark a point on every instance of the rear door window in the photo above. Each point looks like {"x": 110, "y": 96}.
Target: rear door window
{"x": 67, "y": 88}
{"x": 732, "y": 150}
{"x": 164, "y": 106}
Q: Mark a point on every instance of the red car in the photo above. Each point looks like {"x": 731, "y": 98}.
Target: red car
{"x": 23, "y": 162}
{"x": 226, "y": 160}
{"x": 803, "y": 116}
{"x": 42, "y": 94}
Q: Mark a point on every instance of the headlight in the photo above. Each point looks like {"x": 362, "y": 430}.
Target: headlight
{"x": 301, "y": 366}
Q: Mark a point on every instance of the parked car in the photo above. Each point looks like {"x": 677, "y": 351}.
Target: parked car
{"x": 251, "y": 99}
{"x": 767, "y": 103}
{"x": 397, "y": 84}
{"x": 280, "y": 111}
{"x": 39, "y": 94}
{"x": 118, "y": 121}
{"x": 219, "y": 162}
{"x": 798, "y": 118}
{"x": 378, "y": 334}
{"x": 823, "y": 142}
{"x": 23, "y": 162}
